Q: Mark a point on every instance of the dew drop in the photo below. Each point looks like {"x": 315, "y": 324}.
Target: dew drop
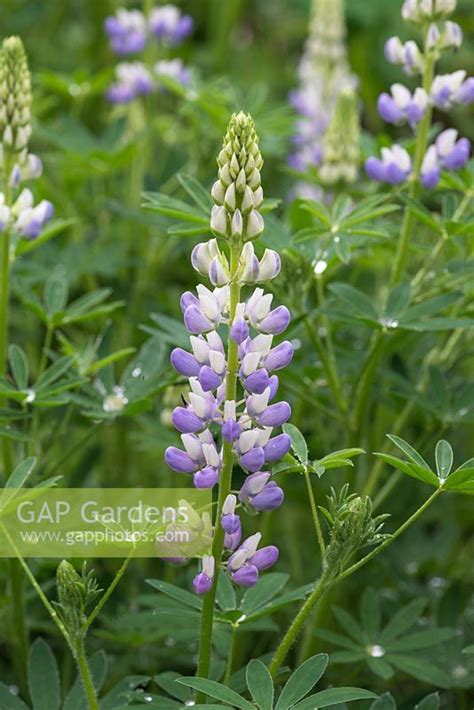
{"x": 148, "y": 698}
{"x": 30, "y": 396}
{"x": 459, "y": 672}
{"x": 14, "y": 689}
{"x": 376, "y": 651}
{"x": 115, "y": 402}
{"x": 190, "y": 703}
{"x": 320, "y": 267}
{"x": 136, "y": 372}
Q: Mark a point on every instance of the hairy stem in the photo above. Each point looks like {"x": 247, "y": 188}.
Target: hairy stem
{"x": 314, "y": 513}
{"x": 225, "y": 481}
{"x": 85, "y": 673}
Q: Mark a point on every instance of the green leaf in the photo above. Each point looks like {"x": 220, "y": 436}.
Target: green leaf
{"x": 260, "y": 684}
{"x": 422, "y": 639}
{"x": 355, "y": 299}
{"x": 53, "y": 373}
{"x": 118, "y": 694}
{"x": 349, "y": 624}
{"x": 318, "y": 209}
{"x": 431, "y": 702}
{"x": 197, "y": 192}
{"x": 167, "y": 681}
{"x": 404, "y": 619}
{"x": 19, "y": 366}
{"x": 444, "y": 459}
{"x": 218, "y": 691}
{"x": 56, "y": 293}
{"x": 334, "y": 696}
{"x": 370, "y": 612}
{"x": 380, "y": 667}
{"x": 461, "y": 480}
{"x": 384, "y": 702}
{"x": 342, "y": 249}
{"x": 410, "y": 469}
{"x": 8, "y": 701}
{"x": 52, "y": 230}
{"x": 468, "y": 649}
{"x": 302, "y": 681}
{"x": 266, "y": 588}
{"x": 409, "y": 451}
{"x": 420, "y": 669}
{"x": 225, "y": 595}
{"x": 422, "y": 214}
{"x": 298, "y": 442}
{"x": 17, "y": 479}
{"x": 43, "y": 677}
{"x": 398, "y": 300}
{"x": 180, "y": 595}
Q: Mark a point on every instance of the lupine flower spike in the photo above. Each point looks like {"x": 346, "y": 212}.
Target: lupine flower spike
{"x": 445, "y": 91}
{"x": 218, "y": 425}
{"x": 323, "y": 74}
{"x": 17, "y": 210}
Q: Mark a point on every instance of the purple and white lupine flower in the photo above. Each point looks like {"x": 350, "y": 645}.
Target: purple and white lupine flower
{"x": 219, "y": 424}
{"x": 127, "y": 31}
{"x": 420, "y": 11}
{"x": 173, "y": 69}
{"x": 202, "y": 582}
{"x": 402, "y": 105}
{"x": 407, "y": 55}
{"x": 447, "y": 90}
{"x": 168, "y": 24}
{"x": 132, "y": 80}
{"x": 448, "y": 152}
{"x": 20, "y": 215}
{"x": 246, "y": 563}
{"x": 394, "y": 167}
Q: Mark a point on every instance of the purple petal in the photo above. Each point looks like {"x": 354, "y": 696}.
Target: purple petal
{"x": 195, "y": 320}
{"x": 179, "y": 460}
{"x": 230, "y": 523}
{"x": 208, "y": 379}
{"x": 206, "y": 478}
{"x": 254, "y": 459}
{"x": 273, "y": 383}
{"x": 185, "y": 421}
{"x": 277, "y": 447}
{"x": 202, "y": 583}
{"x": 388, "y": 110}
{"x": 246, "y": 576}
{"x": 375, "y": 169}
{"x": 275, "y": 414}
{"x": 184, "y": 363}
{"x": 276, "y": 321}
{"x": 265, "y": 558}
{"x": 232, "y": 541}
{"x": 231, "y": 430}
{"x": 279, "y": 357}
{"x": 188, "y": 299}
{"x": 240, "y": 331}
{"x": 257, "y": 382}
{"x": 459, "y": 155}
{"x": 270, "y": 498}
{"x": 431, "y": 178}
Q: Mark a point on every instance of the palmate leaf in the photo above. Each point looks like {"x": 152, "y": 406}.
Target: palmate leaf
{"x": 431, "y": 702}
{"x": 180, "y": 595}
{"x": 298, "y": 442}
{"x": 19, "y": 366}
{"x": 8, "y": 701}
{"x": 302, "y": 681}
{"x": 267, "y": 587}
{"x": 384, "y": 702}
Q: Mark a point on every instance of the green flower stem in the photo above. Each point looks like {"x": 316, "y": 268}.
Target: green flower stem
{"x": 322, "y": 585}
{"x": 364, "y": 383}
{"x": 329, "y": 368}
{"x": 314, "y": 513}
{"x": 225, "y": 480}
{"x": 85, "y": 673}
{"x": 420, "y": 150}
{"x": 34, "y": 583}
{"x": 327, "y": 580}
{"x": 231, "y": 656}
{"x": 108, "y": 593}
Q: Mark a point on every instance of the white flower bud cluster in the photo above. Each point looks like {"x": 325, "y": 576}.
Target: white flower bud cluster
{"x": 420, "y": 11}
{"x": 15, "y": 100}
{"x": 237, "y": 193}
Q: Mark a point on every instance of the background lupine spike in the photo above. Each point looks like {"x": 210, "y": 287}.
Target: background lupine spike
{"x": 341, "y": 142}
{"x": 15, "y": 97}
